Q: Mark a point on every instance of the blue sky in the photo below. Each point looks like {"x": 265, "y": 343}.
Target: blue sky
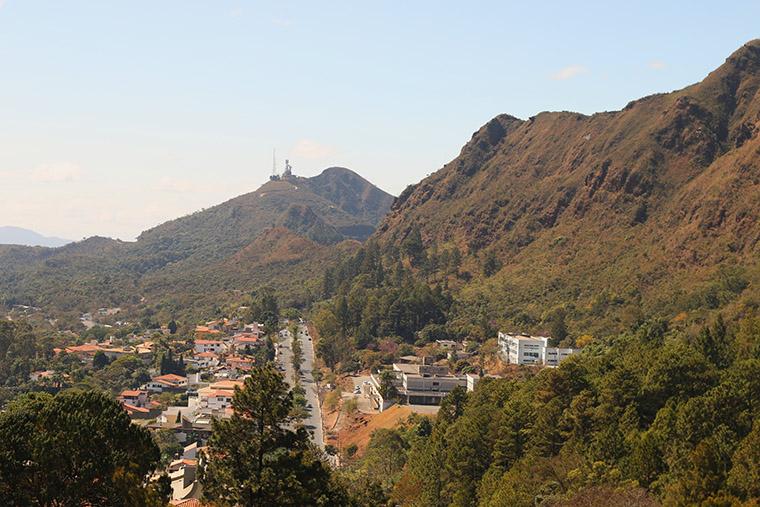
{"x": 119, "y": 115}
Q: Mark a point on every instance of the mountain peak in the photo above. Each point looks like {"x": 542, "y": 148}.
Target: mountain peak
{"x": 10, "y": 235}
{"x": 749, "y": 53}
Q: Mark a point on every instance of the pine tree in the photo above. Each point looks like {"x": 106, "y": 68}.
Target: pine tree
{"x": 256, "y": 460}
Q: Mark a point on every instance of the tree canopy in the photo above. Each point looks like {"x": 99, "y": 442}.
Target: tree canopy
{"x": 255, "y": 459}
{"x": 74, "y": 448}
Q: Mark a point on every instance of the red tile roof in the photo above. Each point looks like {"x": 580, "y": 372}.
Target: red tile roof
{"x": 132, "y": 408}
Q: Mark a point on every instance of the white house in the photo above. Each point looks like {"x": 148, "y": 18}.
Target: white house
{"x": 206, "y": 359}
{"x": 214, "y": 346}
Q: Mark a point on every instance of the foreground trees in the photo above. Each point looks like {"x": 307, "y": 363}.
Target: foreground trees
{"x": 651, "y": 417}
{"x": 254, "y": 459}
{"x": 75, "y": 448}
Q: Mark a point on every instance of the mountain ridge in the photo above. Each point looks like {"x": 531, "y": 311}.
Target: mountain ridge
{"x": 647, "y": 203}
{"x": 11, "y": 235}
{"x": 337, "y": 207}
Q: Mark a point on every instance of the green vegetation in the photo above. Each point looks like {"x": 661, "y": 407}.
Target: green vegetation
{"x": 648, "y": 417}
{"x": 369, "y": 303}
{"x": 75, "y": 448}
{"x": 255, "y": 460}
{"x": 279, "y": 235}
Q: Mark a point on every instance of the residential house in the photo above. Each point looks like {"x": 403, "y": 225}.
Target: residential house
{"x": 206, "y": 333}
{"x": 218, "y": 395}
{"x": 168, "y": 382}
{"x": 447, "y": 344}
{"x": 206, "y": 359}
{"x": 135, "y": 398}
{"x": 215, "y": 346}
{"x": 85, "y": 352}
{"x": 240, "y": 363}
{"x": 242, "y": 340}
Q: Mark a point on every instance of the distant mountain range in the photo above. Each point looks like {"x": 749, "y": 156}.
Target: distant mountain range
{"x": 281, "y": 234}
{"x": 18, "y": 236}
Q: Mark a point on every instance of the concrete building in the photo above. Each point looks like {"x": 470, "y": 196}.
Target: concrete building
{"x": 526, "y": 349}
{"x": 214, "y": 346}
{"x": 417, "y": 384}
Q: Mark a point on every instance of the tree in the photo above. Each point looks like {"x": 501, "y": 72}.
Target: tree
{"x": 265, "y": 309}
{"x": 100, "y": 360}
{"x": 412, "y": 246}
{"x": 558, "y": 326}
{"x": 385, "y": 456}
{"x": 75, "y": 448}
{"x": 388, "y": 389}
{"x": 491, "y": 264}
{"x": 256, "y": 460}
{"x": 172, "y": 327}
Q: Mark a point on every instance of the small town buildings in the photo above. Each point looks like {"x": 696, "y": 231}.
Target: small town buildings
{"x": 85, "y": 352}
{"x": 447, "y": 344}
{"x": 41, "y": 376}
{"x": 418, "y": 384}
{"x": 206, "y": 333}
{"x": 206, "y": 360}
{"x": 242, "y": 340}
{"x": 218, "y": 395}
{"x": 137, "y": 404}
{"x": 135, "y": 398}
{"x": 255, "y": 329}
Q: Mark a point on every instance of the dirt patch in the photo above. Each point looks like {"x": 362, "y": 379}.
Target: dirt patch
{"x": 357, "y": 428}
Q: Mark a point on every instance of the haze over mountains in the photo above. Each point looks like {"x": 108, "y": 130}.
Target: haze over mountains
{"x": 10, "y": 235}
{"x": 288, "y": 227}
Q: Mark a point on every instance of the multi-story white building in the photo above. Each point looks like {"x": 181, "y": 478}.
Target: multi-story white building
{"x": 526, "y": 349}
{"x": 555, "y": 355}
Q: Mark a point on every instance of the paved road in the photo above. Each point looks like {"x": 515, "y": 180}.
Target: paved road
{"x": 285, "y": 358}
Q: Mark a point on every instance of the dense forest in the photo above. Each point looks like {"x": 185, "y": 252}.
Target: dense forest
{"x": 648, "y": 417}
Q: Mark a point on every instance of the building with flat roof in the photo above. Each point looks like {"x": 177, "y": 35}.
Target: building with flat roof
{"x": 527, "y": 349}
{"x": 418, "y": 384}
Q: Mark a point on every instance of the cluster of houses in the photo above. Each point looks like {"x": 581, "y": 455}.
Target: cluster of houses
{"x": 221, "y": 357}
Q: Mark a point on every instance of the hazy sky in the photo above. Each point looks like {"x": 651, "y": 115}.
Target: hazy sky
{"x": 118, "y": 115}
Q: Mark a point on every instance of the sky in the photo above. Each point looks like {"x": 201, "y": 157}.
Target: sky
{"x": 117, "y": 115}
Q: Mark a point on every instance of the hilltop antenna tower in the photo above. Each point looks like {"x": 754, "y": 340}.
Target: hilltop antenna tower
{"x": 274, "y": 176}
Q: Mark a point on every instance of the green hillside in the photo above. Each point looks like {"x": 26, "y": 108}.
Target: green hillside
{"x": 281, "y": 234}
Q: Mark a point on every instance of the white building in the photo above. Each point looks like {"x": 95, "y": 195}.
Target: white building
{"x": 526, "y": 349}
{"x": 214, "y": 346}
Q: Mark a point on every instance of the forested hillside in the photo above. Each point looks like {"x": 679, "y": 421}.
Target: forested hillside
{"x": 654, "y": 209}
{"x": 281, "y": 234}
{"x": 645, "y": 418}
